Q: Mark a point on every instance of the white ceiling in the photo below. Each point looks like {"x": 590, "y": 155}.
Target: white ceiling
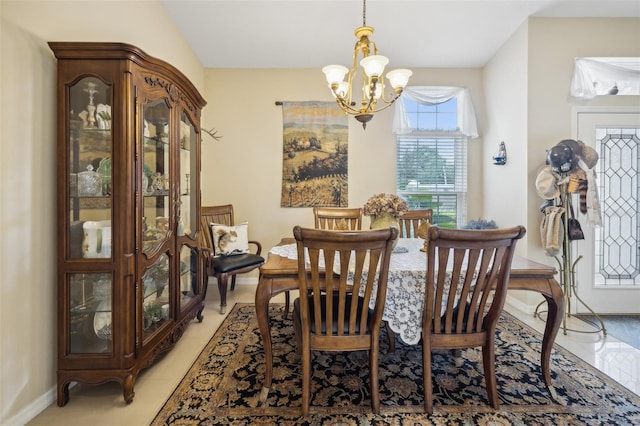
{"x": 412, "y": 33}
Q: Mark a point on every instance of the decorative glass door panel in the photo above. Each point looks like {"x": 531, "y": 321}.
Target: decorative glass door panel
{"x": 188, "y": 159}
{"x": 188, "y": 275}
{"x": 156, "y": 174}
{"x": 90, "y": 316}
{"x": 187, "y": 221}
{"x": 89, "y": 169}
{"x": 608, "y": 275}
{"x": 155, "y": 298}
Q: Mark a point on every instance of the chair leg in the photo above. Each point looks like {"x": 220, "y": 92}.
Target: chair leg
{"x": 488, "y": 360}
{"x": 373, "y": 377}
{"x": 205, "y": 285}
{"x": 391, "y": 336}
{"x": 306, "y": 379}
{"x": 426, "y": 375}
{"x": 287, "y": 303}
{"x": 233, "y": 283}
{"x": 222, "y": 287}
{"x": 297, "y": 328}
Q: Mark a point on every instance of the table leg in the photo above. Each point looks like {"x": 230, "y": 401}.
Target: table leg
{"x": 555, "y": 306}
{"x": 263, "y": 295}
{"x": 552, "y": 292}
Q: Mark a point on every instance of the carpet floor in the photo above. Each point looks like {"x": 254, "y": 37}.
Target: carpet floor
{"x": 223, "y": 385}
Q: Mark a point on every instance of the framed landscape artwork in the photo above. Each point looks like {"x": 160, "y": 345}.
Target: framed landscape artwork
{"x": 315, "y": 153}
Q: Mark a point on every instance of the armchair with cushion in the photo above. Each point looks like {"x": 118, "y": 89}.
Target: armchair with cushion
{"x": 226, "y": 249}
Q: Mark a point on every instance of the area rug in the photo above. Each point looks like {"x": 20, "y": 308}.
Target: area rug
{"x": 223, "y": 385}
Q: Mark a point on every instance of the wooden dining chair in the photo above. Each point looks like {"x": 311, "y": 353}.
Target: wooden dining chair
{"x": 343, "y": 218}
{"x": 411, "y": 220}
{"x": 466, "y": 286}
{"x": 332, "y": 218}
{"x": 225, "y": 265}
{"x": 338, "y": 218}
{"x": 330, "y": 315}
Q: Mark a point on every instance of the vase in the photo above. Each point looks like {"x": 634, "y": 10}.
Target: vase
{"x": 385, "y": 220}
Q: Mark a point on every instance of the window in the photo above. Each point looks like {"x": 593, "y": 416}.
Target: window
{"x": 605, "y": 76}
{"x": 431, "y": 160}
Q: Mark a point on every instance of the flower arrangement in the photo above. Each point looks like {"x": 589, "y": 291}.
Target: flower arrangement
{"x": 385, "y": 203}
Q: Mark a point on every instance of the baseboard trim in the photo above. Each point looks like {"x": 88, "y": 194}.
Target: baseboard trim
{"x": 29, "y": 412}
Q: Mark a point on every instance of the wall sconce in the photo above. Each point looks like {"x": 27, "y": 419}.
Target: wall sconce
{"x": 501, "y": 157}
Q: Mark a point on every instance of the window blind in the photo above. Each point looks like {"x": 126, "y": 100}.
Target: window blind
{"x": 432, "y": 173}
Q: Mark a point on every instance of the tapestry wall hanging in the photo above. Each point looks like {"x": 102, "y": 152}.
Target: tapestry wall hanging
{"x": 315, "y": 154}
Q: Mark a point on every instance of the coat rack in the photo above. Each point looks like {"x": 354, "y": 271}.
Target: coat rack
{"x": 567, "y": 267}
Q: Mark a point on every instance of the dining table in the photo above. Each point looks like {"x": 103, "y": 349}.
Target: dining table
{"x": 405, "y": 296}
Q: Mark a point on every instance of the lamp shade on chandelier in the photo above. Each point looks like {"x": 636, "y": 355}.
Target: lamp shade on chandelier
{"x": 343, "y": 81}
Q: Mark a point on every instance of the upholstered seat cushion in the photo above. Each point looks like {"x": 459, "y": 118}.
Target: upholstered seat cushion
{"x": 465, "y": 319}
{"x": 231, "y": 263}
{"x": 296, "y": 311}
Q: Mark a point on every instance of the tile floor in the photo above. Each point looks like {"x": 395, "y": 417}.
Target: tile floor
{"x": 104, "y": 405}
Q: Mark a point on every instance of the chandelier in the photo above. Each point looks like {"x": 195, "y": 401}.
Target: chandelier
{"x": 374, "y": 98}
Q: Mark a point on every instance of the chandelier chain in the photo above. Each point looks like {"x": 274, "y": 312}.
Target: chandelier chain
{"x": 364, "y": 13}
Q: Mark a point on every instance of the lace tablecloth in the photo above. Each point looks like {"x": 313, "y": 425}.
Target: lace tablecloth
{"x": 405, "y": 286}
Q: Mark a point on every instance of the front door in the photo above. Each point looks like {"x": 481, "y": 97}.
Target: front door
{"x": 608, "y": 275}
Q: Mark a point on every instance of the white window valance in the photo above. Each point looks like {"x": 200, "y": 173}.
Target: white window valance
{"x": 605, "y": 76}
{"x": 430, "y": 95}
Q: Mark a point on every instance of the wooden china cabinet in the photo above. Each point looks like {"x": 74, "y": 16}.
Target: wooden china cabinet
{"x": 130, "y": 269}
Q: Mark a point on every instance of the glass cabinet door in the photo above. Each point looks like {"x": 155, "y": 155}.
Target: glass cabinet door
{"x": 188, "y": 159}
{"x": 89, "y": 160}
{"x": 89, "y": 194}
{"x": 156, "y": 215}
{"x": 156, "y": 174}
{"x": 90, "y": 315}
{"x": 187, "y": 222}
{"x": 188, "y": 275}
{"x": 156, "y": 296}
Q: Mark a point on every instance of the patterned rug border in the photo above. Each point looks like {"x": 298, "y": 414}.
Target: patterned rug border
{"x": 414, "y": 415}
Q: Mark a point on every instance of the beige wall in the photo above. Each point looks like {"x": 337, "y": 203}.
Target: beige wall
{"x": 505, "y": 84}
{"x": 504, "y": 190}
{"x": 28, "y": 172}
{"x": 245, "y": 167}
